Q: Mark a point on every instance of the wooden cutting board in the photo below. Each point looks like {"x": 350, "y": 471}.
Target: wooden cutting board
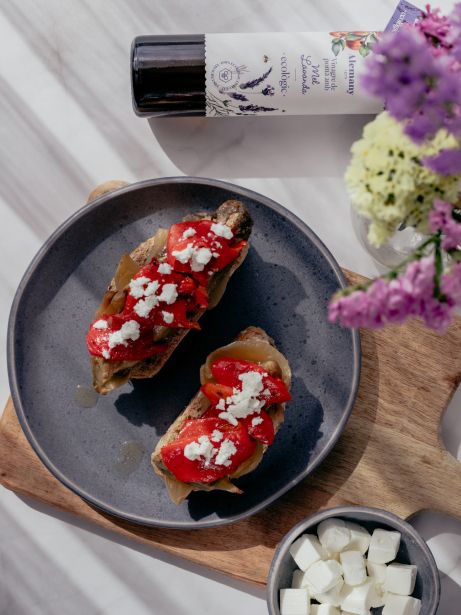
{"x": 389, "y": 456}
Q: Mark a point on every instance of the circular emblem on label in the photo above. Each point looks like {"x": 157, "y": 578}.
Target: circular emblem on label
{"x": 225, "y": 75}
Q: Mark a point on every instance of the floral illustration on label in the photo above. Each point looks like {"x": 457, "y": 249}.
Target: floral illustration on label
{"x": 356, "y": 41}
{"x": 227, "y": 78}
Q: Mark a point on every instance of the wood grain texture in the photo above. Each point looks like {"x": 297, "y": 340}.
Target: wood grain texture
{"x": 389, "y": 455}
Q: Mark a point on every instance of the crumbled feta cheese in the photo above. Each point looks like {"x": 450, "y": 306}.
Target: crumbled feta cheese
{"x": 151, "y": 288}
{"x": 165, "y": 268}
{"x": 137, "y": 286}
{"x": 203, "y": 449}
{"x": 168, "y": 317}
{"x": 200, "y": 258}
{"x": 227, "y": 416}
{"x": 189, "y": 232}
{"x": 100, "y": 324}
{"x": 215, "y": 254}
{"x": 222, "y": 230}
{"x": 169, "y": 293}
{"x": 217, "y": 435}
{"x": 129, "y": 331}
{"x": 244, "y": 402}
{"x": 226, "y": 451}
{"x": 184, "y": 256}
{"x": 256, "y": 421}
{"x": 144, "y": 306}
{"x": 106, "y": 354}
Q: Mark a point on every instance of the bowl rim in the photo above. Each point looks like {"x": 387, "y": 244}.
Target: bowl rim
{"x": 378, "y": 514}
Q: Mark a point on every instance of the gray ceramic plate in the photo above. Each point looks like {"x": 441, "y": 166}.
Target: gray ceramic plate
{"x": 283, "y": 286}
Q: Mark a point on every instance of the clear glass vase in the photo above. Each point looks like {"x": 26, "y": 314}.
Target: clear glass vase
{"x": 399, "y": 246}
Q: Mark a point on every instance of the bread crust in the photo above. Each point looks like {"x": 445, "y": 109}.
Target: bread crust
{"x": 109, "y": 375}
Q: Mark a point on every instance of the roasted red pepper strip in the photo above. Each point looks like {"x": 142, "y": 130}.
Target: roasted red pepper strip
{"x": 227, "y": 370}
{"x": 172, "y": 315}
{"x": 134, "y": 350}
{"x": 197, "y": 235}
{"x": 263, "y": 429}
{"x": 215, "y": 392}
{"x": 198, "y": 470}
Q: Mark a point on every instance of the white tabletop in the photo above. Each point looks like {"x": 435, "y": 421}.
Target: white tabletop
{"x": 67, "y": 125}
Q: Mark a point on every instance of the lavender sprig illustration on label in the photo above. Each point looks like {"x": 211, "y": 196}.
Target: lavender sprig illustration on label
{"x": 255, "y": 109}
{"x": 249, "y": 85}
{"x": 238, "y": 96}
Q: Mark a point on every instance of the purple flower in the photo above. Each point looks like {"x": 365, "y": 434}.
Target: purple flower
{"x": 447, "y": 162}
{"x": 436, "y": 29}
{"x": 385, "y": 302}
{"x": 454, "y": 35}
{"x": 441, "y": 219}
{"x": 418, "y": 88}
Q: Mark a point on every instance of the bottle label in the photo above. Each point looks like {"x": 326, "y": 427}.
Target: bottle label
{"x": 287, "y": 73}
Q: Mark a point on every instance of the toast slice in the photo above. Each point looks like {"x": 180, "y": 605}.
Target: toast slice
{"x": 252, "y": 344}
{"x": 110, "y": 374}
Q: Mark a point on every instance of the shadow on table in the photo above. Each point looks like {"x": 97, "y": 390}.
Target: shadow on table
{"x": 292, "y": 146}
{"x": 118, "y": 562}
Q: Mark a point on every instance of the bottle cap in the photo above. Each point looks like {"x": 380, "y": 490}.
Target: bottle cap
{"x": 168, "y": 75}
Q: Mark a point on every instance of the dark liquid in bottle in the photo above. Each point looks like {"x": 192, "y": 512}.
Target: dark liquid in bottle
{"x": 168, "y": 75}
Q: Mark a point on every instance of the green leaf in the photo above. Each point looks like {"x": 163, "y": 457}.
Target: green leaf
{"x": 342, "y": 42}
{"x": 373, "y": 38}
{"x": 353, "y": 37}
{"x": 335, "y": 40}
{"x": 438, "y": 270}
{"x": 336, "y": 48}
{"x": 364, "y": 50}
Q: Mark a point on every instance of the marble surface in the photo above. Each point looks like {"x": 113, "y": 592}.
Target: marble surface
{"x": 67, "y": 125}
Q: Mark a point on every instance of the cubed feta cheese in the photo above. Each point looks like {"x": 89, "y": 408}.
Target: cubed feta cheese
{"x": 324, "y": 609}
{"x": 297, "y": 579}
{"x": 377, "y": 572}
{"x": 306, "y": 550}
{"x": 400, "y": 579}
{"x": 384, "y": 546}
{"x": 332, "y": 596}
{"x": 401, "y": 605}
{"x": 294, "y": 602}
{"x": 377, "y": 595}
{"x": 323, "y": 575}
{"x": 333, "y": 534}
{"x": 357, "y": 599}
{"x": 353, "y": 567}
{"x": 360, "y": 538}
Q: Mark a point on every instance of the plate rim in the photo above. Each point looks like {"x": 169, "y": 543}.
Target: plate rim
{"x": 13, "y": 376}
